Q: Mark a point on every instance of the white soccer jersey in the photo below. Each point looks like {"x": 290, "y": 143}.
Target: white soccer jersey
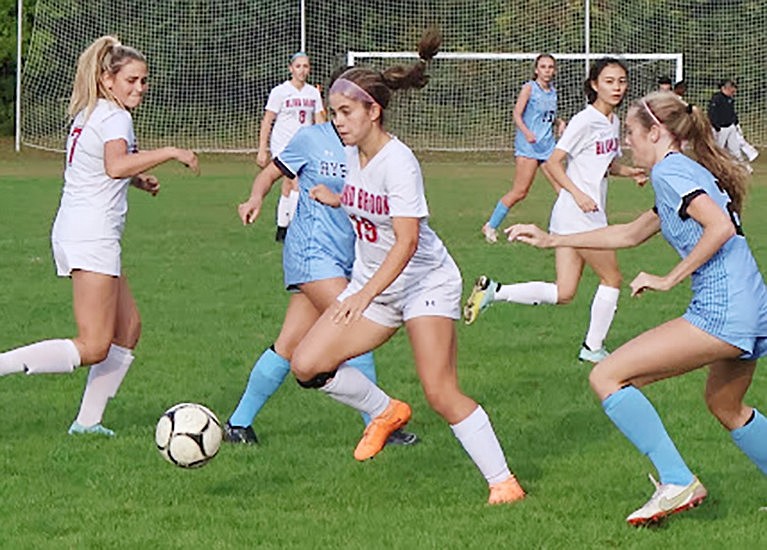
{"x": 294, "y": 108}
{"x": 93, "y": 205}
{"x": 591, "y": 141}
{"x": 389, "y": 186}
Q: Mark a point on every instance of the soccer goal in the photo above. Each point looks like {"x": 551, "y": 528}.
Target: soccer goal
{"x": 468, "y": 103}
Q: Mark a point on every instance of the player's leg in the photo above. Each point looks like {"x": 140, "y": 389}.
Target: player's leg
{"x": 728, "y": 381}
{"x": 95, "y": 303}
{"x": 105, "y": 377}
{"x": 271, "y": 368}
{"x": 524, "y": 174}
{"x": 569, "y": 266}
{"x": 605, "y": 302}
{"x": 316, "y": 365}
{"x": 434, "y": 344}
{"x": 655, "y": 355}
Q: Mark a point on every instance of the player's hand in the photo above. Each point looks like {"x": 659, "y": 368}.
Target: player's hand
{"x": 645, "y": 281}
{"x": 146, "y": 182}
{"x": 249, "y": 210}
{"x": 351, "y": 308}
{"x": 638, "y": 175}
{"x": 529, "y": 234}
{"x": 189, "y": 159}
{"x": 585, "y": 203}
{"x": 322, "y": 194}
{"x": 530, "y": 137}
{"x": 262, "y": 158}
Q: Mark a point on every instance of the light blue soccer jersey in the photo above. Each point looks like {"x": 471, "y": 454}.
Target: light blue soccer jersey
{"x": 729, "y": 295}
{"x": 539, "y": 116}
{"x": 320, "y": 241}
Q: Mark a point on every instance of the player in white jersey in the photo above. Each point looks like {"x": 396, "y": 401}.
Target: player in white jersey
{"x": 535, "y": 115}
{"x": 291, "y": 106}
{"x": 102, "y": 160}
{"x": 402, "y": 274}
{"x": 590, "y": 143}
{"x": 697, "y": 207}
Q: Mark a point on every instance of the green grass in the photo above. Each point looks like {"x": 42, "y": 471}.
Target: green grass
{"x": 210, "y": 295}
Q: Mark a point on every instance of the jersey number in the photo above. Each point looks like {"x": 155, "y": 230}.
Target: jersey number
{"x": 366, "y": 229}
{"x": 548, "y": 117}
{"x": 301, "y": 116}
{"x": 75, "y": 136}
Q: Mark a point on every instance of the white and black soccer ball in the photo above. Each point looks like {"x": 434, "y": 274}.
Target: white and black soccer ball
{"x": 188, "y": 435}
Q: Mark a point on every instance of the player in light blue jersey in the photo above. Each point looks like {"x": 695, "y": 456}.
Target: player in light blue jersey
{"x": 697, "y": 210}
{"x": 535, "y": 115}
{"x": 317, "y": 261}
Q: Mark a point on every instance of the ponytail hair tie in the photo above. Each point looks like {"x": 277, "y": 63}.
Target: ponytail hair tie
{"x": 689, "y": 108}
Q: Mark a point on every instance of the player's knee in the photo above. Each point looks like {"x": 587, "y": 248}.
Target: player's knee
{"x": 599, "y": 380}
{"x": 565, "y": 296}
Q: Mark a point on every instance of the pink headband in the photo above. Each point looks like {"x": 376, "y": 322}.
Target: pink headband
{"x": 652, "y": 115}
{"x": 351, "y": 90}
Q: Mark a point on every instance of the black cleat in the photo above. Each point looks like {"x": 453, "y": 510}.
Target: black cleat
{"x": 281, "y": 233}
{"x": 402, "y": 438}
{"x": 238, "y": 434}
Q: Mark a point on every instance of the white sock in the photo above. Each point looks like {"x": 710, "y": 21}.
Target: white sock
{"x": 478, "y": 438}
{"x": 292, "y": 205}
{"x": 48, "y": 356}
{"x": 532, "y": 293}
{"x": 103, "y": 381}
{"x": 350, "y": 387}
{"x": 283, "y": 211}
{"x": 603, "y": 309}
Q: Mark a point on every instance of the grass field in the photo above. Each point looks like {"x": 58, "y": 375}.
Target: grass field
{"x": 210, "y": 295}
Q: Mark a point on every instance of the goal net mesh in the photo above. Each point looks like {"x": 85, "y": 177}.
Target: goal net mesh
{"x": 212, "y": 63}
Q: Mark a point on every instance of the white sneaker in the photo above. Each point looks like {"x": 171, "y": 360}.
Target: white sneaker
{"x": 594, "y": 356}
{"x": 668, "y": 499}
{"x": 490, "y": 233}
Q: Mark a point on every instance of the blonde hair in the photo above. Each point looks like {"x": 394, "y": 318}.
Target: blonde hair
{"x": 689, "y": 125}
{"x": 380, "y": 84}
{"x": 104, "y": 55}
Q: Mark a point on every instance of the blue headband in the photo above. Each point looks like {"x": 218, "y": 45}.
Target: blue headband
{"x": 297, "y": 55}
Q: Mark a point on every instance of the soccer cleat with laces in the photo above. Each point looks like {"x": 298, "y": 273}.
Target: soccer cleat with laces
{"x": 668, "y": 499}
{"x": 240, "y": 434}
{"x": 394, "y": 417}
{"x": 481, "y": 298}
{"x": 490, "y": 233}
{"x": 97, "y": 429}
{"x": 590, "y": 356}
{"x": 506, "y": 491}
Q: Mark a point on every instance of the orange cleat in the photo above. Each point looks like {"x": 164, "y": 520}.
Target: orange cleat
{"x": 506, "y": 491}
{"x": 395, "y": 416}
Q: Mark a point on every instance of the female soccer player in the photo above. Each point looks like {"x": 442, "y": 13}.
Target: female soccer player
{"x": 101, "y": 161}
{"x": 291, "y": 106}
{"x": 697, "y": 206}
{"x": 402, "y": 274}
{"x": 317, "y": 262}
{"x": 590, "y": 143}
{"x": 535, "y": 115}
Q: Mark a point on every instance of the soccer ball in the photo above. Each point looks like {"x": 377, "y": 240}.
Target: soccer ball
{"x": 188, "y": 435}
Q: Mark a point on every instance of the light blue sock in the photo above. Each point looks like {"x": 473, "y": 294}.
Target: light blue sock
{"x": 752, "y": 440}
{"x": 365, "y": 364}
{"x": 267, "y": 375}
{"x": 637, "y": 419}
{"x": 498, "y": 214}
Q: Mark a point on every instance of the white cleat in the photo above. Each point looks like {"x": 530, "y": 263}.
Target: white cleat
{"x": 490, "y": 233}
{"x": 668, "y": 499}
{"x": 592, "y": 356}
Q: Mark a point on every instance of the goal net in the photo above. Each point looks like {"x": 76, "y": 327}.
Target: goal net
{"x": 213, "y": 62}
{"x": 465, "y": 107}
